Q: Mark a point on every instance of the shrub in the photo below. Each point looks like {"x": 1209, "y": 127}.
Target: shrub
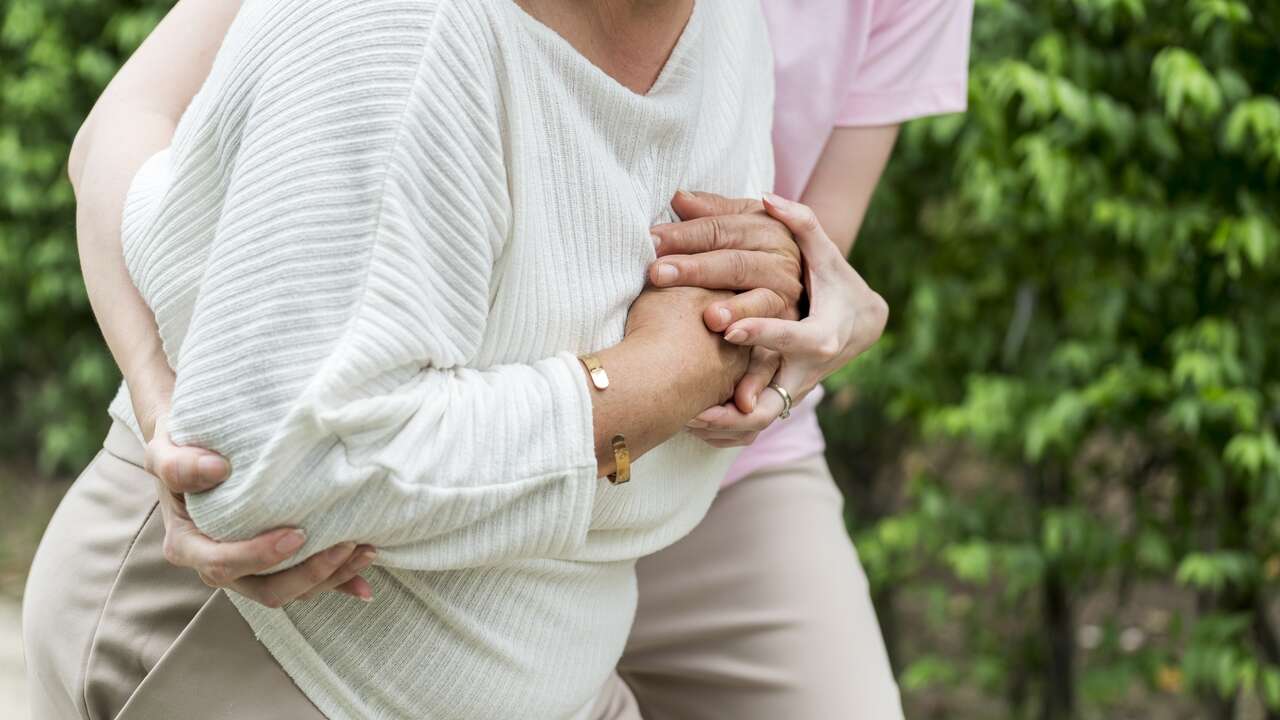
{"x": 55, "y": 373}
{"x": 1082, "y": 373}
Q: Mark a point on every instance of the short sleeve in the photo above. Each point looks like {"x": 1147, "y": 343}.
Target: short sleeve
{"x": 916, "y": 63}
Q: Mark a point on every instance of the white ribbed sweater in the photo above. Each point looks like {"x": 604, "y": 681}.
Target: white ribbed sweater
{"x": 384, "y": 230}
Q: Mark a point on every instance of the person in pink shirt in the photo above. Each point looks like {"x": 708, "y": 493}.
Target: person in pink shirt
{"x": 763, "y": 611}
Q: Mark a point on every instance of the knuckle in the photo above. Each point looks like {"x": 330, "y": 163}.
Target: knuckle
{"x": 217, "y": 571}
{"x": 879, "y": 308}
{"x": 829, "y": 348}
{"x": 775, "y": 304}
{"x": 808, "y": 220}
{"x": 169, "y": 469}
{"x": 794, "y": 291}
{"x": 679, "y": 236}
{"x": 779, "y": 236}
{"x": 739, "y": 271}
{"x": 876, "y": 311}
{"x": 771, "y": 304}
{"x": 718, "y": 233}
{"x": 792, "y": 268}
{"x": 316, "y": 573}
{"x": 172, "y": 554}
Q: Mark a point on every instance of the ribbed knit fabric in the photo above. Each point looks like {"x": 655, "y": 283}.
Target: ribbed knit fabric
{"x": 384, "y": 230}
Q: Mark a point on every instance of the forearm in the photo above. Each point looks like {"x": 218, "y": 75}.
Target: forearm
{"x": 440, "y": 465}
{"x": 136, "y": 117}
{"x": 454, "y": 469}
{"x": 845, "y": 179}
{"x": 121, "y": 140}
{"x": 654, "y": 389}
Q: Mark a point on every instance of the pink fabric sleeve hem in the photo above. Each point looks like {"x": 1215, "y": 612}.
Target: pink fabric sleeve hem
{"x": 864, "y": 109}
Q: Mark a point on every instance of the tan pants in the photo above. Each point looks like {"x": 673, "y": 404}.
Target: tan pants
{"x": 762, "y": 612}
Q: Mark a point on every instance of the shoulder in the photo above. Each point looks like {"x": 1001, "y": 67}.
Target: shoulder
{"x": 322, "y": 63}
{"x": 290, "y": 36}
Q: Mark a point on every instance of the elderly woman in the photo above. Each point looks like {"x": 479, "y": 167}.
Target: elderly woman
{"x": 396, "y": 257}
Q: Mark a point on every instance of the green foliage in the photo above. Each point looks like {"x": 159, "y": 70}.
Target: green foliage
{"x": 1082, "y": 372}
{"x": 55, "y": 373}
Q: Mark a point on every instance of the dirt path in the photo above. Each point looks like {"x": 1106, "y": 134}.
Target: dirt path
{"x": 13, "y": 686}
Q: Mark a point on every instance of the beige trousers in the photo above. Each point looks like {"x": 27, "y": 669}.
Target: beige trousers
{"x": 761, "y": 612}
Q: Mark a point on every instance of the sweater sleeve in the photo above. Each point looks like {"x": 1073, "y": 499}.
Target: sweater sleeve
{"x": 331, "y": 354}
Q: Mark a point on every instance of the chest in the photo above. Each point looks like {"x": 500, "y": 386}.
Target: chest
{"x": 589, "y": 174}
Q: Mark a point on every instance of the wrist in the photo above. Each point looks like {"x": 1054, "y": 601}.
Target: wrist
{"x": 699, "y": 374}
{"x": 151, "y": 392}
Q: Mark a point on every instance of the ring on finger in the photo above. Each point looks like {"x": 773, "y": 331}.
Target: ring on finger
{"x": 786, "y": 400}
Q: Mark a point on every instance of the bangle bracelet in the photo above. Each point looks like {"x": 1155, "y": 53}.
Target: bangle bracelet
{"x": 595, "y": 369}
{"x": 621, "y": 454}
{"x": 621, "y": 461}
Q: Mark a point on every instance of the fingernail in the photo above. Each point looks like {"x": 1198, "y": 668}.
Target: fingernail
{"x": 777, "y": 200}
{"x": 365, "y": 560}
{"x": 291, "y": 542}
{"x": 736, "y": 335}
{"x": 685, "y": 195}
{"x": 365, "y": 597}
{"x": 725, "y": 316}
{"x": 696, "y": 424}
{"x": 667, "y": 273}
{"x": 212, "y": 467}
{"x": 657, "y": 241}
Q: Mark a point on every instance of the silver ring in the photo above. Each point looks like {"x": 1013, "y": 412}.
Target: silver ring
{"x": 786, "y": 400}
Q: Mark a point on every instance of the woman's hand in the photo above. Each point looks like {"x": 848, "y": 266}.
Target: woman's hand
{"x": 846, "y": 317}
{"x": 729, "y": 244}
{"x": 236, "y": 565}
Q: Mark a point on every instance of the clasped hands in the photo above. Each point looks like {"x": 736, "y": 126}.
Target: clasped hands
{"x": 770, "y": 252}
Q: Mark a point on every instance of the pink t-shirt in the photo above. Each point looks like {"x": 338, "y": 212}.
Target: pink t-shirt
{"x": 842, "y": 63}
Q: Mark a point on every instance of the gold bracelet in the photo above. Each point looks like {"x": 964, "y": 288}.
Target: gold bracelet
{"x": 595, "y": 369}
{"x": 621, "y": 454}
{"x": 621, "y": 461}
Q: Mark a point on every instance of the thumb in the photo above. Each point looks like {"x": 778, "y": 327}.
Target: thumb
{"x": 788, "y": 337}
{"x": 182, "y": 468}
{"x": 693, "y": 205}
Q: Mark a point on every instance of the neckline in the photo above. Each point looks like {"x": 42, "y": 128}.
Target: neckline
{"x": 668, "y": 74}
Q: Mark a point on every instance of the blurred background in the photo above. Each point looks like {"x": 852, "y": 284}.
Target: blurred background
{"x": 1061, "y": 463}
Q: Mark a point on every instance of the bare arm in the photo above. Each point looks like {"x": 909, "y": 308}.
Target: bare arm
{"x": 136, "y": 117}
{"x": 846, "y": 177}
